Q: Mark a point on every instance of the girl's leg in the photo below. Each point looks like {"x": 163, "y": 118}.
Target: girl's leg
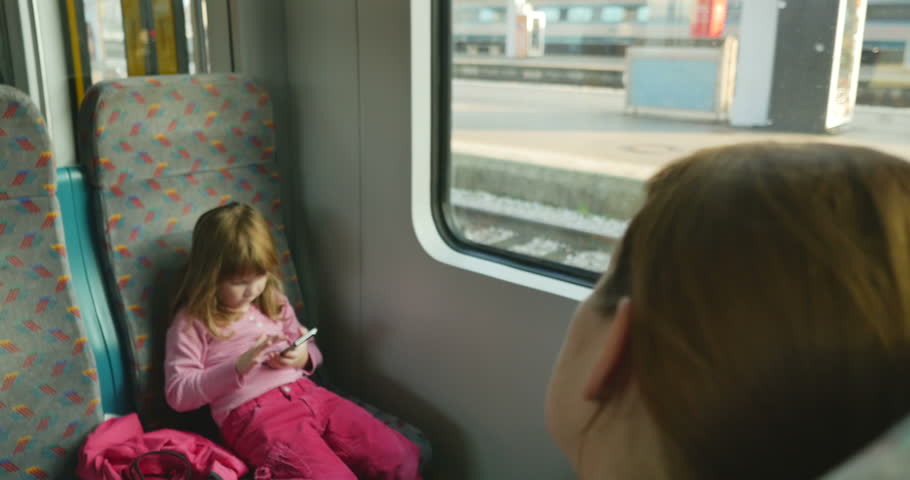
{"x": 275, "y": 435}
{"x": 369, "y": 447}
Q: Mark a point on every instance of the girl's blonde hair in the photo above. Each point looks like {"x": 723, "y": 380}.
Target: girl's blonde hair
{"x": 228, "y": 241}
{"x": 770, "y": 284}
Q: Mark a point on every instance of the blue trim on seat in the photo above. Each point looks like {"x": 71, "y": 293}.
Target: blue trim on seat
{"x": 88, "y": 286}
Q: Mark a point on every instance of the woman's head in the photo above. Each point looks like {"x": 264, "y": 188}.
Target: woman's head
{"x": 232, "y": 263}
{"x": 767, "y": 328}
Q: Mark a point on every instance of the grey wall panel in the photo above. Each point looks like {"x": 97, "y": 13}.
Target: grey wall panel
{"x": 324, "y": 141}
{"x": 262, "y": 53}
{"x": 221, "y": 36}
{"x": 464, "y": 356}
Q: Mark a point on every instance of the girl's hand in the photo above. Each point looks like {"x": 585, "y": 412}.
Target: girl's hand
{"x": 296, "y": 358}
{"x": 250, "y": 358}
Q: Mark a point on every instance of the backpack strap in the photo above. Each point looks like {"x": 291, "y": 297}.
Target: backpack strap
{"x": 135, "y": 471}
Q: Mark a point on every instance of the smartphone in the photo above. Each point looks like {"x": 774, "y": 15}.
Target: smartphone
{"x": 300, "y": 341}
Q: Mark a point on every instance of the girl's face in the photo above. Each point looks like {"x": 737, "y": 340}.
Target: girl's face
{"x": 236, "y": 293}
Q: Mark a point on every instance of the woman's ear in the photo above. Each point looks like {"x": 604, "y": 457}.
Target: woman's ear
{"x": 606, "y": 370}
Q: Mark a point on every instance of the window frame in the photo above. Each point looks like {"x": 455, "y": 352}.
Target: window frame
{"x": 430, "y": 150}
{"x": 7, "y": 60}
{"x": 21, "y": 37}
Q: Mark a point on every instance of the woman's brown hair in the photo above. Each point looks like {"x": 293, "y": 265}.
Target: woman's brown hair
{"x": 228, "y": 241}
{"x": 770, "y": 283}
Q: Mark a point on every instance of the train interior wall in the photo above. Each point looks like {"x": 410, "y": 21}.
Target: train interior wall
{"x": 463, "y": 356}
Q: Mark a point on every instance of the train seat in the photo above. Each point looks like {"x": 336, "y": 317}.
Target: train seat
{"x": 160, "y": 151}
{"x": 50, "y": 397}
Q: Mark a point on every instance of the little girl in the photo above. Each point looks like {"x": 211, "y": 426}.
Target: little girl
{"x": 226, "y": 349}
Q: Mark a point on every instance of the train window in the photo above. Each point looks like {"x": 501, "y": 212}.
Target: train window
{"x": 479, "y": 15}
{"x": 612, "y": 14}
{"x": 543, "y": 153}
{"x": 553, "y": 14}
{"x": 464, "y": 15}
{"x": 889, "y": 12}
{"x": 492, "y": 15}
{"x": 110, "y": 39}
{"x": 579, "y": 14}
{"x": 679, "y": 11}
{"x": 734, "y": 10}
{"x": 643, "y": 14}
{"x": 106, "y": 41}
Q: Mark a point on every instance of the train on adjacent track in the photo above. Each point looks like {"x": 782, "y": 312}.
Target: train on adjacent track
{"x": 608, "y": 27}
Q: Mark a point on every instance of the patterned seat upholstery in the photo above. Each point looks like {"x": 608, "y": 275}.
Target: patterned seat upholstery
{"x": 49, "y": 395}
{"x": 161, "y": 151}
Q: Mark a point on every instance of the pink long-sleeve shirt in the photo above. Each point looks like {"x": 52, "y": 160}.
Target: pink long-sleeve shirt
{"x": 200, "y": 369}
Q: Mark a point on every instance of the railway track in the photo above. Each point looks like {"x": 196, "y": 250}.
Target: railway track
{"x": 542, "y": 231}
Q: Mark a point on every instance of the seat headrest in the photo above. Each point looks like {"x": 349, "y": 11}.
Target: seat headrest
{"x": 25, "y": 148}
{"x": 141, "y": 128}
{"x": 888, "y": 458}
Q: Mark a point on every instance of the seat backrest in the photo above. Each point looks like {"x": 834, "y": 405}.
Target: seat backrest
{"x": 160, "y": 151}
{"x": 49, "y": 395}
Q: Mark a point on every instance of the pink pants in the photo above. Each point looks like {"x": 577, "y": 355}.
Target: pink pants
{"x": 302, "y": 431}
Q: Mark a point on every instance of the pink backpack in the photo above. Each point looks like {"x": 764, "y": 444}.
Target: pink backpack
{"x": 119, "y": 450}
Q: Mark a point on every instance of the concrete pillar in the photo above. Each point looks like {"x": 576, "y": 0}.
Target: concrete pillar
{"x": 798, "y": 64}
{"x": 816, "y": 64}
{"x": 514, "y": 44}
{"x": 755, "y": 64}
